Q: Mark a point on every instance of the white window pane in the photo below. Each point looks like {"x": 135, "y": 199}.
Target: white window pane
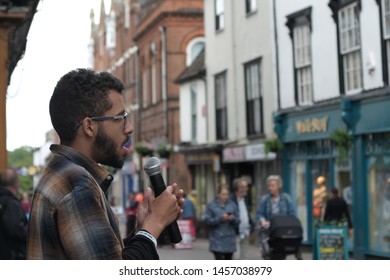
{"x": 221, "y": 22}
{"x": 219, "y": 7}
{"x": 253, "y": 5}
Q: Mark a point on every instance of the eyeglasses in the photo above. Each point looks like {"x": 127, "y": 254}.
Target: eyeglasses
{"x": 105, "y": 118}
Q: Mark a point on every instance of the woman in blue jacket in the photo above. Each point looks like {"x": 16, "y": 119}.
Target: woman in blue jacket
{"x": 222, "y": 219}
{"x": 275, "y": 202}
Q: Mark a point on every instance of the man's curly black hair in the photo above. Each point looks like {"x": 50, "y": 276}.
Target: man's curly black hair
{"x": 78, "y": 94}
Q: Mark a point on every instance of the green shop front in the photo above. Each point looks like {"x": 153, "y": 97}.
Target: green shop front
{"x": 346, "y": 142}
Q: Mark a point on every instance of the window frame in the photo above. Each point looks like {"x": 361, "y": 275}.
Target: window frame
{"x": 297, "y": 21}
{"x": 194, "y": 114}
{"x": 254, "y": 98}
{"x": 219, "y": 15}
{"x": 221, "y": 118}
{"x": 305, "y": 67}
{"x": 250, "y": 6}
{"x": 352, "y": 65}
{"x": 336, "y": 6}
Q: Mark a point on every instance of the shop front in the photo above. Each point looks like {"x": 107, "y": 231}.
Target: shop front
{"x": 204, "y": 165}
{"x": 311, "y": 165}
{"x": 313, "y": 162}
{"x": 253, "y": 163}
{"x": 371, "y": 166}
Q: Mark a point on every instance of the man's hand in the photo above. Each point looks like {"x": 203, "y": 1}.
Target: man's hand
{"x": 228, "y": 217}
{"x": 156, "y": 213}
{"x": 264, "y": 223}
{"x": 143, "y": 208}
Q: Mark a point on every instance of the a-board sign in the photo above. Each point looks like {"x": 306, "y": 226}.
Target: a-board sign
{"x": 185, "y": 230}
{"x": 331, "y": 243}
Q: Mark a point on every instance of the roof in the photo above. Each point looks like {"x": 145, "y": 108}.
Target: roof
{"x": 196, "y": 70}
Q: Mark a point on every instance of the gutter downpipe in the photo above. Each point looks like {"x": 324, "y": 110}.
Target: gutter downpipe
{"x": 164, "y": 78}
{"x": 138, "y": 92}
{"x": 140, "y": 106}
{"x": 276, "y": 56}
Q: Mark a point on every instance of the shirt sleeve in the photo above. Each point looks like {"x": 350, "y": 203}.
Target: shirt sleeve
{"x": 84, "y": 228}
{"x": 261, "y": 209}
{"x": 139, "y": 247}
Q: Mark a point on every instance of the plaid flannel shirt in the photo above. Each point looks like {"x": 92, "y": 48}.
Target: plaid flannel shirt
{"x": 70, "y": 217}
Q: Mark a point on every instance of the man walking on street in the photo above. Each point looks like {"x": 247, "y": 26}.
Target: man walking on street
{"x": 13, "y": 221}
{"x": 240, "y": 190}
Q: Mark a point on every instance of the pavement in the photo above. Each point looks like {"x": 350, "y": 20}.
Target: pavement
{"x": 200, "y": 251}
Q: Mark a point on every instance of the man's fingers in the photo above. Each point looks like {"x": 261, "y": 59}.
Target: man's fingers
{"x": 148, "y": 193}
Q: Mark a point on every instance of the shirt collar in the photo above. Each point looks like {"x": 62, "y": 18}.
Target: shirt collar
{"x": 101, "y": 175}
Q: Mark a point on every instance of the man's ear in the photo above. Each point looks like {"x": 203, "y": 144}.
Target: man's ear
{"x": 88, "y": 127}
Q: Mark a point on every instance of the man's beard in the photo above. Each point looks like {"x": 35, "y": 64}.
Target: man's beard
{"x": 107, "y": 146}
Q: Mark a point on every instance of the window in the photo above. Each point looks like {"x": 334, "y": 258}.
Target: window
{"x": 377, "y": 149}
{"x": 219, "y": 15}
{"x": 254, "y": 103}
{"x": 127, "y": 14}
{"x": 379, "y": 203}
{"x": 193, "y": 49}
{"x": 145, "y": 88}
{"x": 220, "y": 106}
{"x": 302, "y": 56}
{"x": 386, "y": 31}
{"x": 153, "y": 80}
{"x": 299, "y": 193}
{"x": 111, "y": 31}
{"x": 250, "y": 6}
{"x": 350, "y": 47}
{"x": 299, "y": 24}
{"x": 193, "y": 113}
{"x": 196, "y": 49}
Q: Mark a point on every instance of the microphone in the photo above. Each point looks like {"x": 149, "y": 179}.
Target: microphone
{"x": 152, "y": 168}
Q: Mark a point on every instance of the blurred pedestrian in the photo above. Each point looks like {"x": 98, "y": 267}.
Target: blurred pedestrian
{"x": 336, "y": 209}
{"x": 26, "y": 204}
{"x": 246, "y": 226}
{"x": 276, "y": 202}
{"x": 70, "y": 216}
{"x": 131, "y": 214}
{"x": 13, "y": 221}
{"x": 222, "y": 219}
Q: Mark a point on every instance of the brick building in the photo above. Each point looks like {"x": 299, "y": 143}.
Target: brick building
{"x": 145, "y": 44}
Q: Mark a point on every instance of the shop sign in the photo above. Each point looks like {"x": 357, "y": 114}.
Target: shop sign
{"x": 234, "y": 154}
{"x": 200, "y": 157}
{"x": 313, "y": 125}
{"x": 257, "y": 152}
{"x": 331, "y": 243}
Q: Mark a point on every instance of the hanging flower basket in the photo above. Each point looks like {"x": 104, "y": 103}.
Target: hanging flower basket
{"x": 343, "y": 142}
{"x": 273, "y": 145}
{"x": 164, "y": 150}
{"x": 143, "y": 150}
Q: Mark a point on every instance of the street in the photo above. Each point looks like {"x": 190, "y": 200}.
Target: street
{"x": 200, "y": 251}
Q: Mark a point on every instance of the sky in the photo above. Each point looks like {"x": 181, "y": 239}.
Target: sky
{"x": 57, "y": 43}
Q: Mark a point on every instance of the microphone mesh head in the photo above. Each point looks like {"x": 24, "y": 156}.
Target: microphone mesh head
{"x": 152, "y": 166}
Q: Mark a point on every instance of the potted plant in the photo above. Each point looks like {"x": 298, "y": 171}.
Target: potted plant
{"x": 343, "y": 142}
